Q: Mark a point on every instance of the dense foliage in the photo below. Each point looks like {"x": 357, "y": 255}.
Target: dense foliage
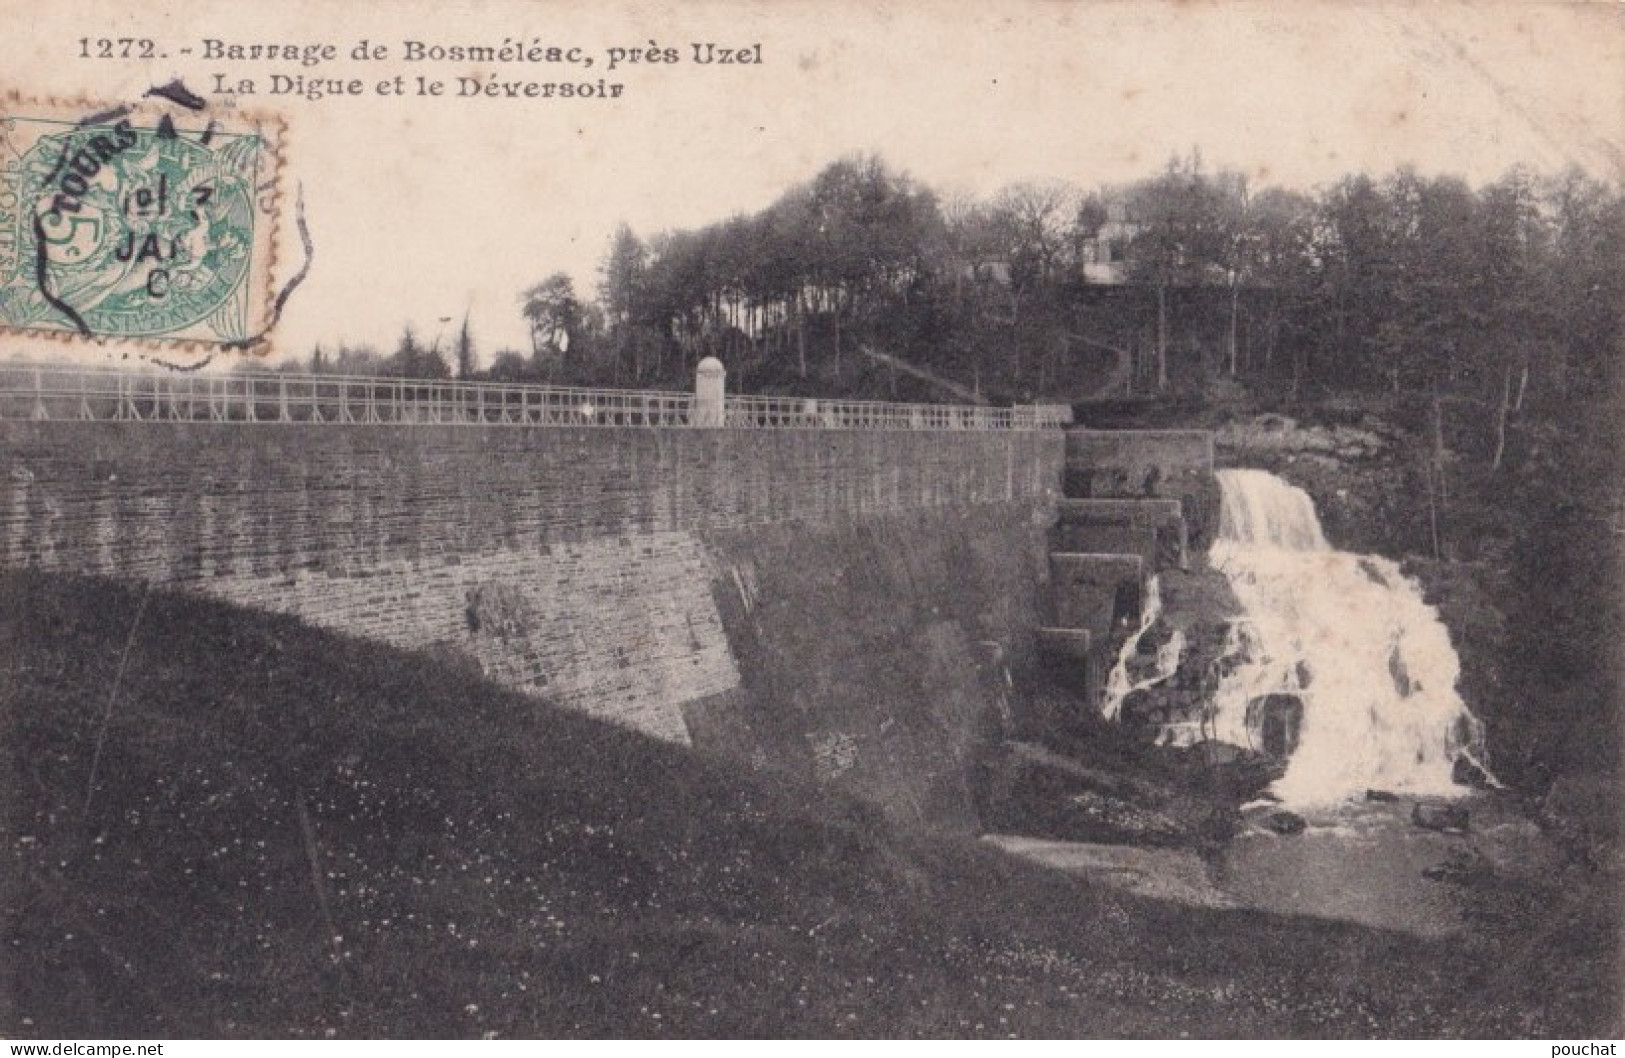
{"x": 1406, "y": 282}
{"x": 863, "y": 282}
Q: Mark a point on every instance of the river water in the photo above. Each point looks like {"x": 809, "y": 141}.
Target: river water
{"x": 1356, "y": 862}
{"x": 1361, "y": 862}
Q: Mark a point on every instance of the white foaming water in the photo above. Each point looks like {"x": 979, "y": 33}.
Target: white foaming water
{"x": 1118, "y": 683}
{"x": 1351, "y": 638}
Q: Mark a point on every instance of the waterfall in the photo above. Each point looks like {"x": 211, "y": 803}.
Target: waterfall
{"x": 1345, "y": 668}
{"x": 1119, "y": 684}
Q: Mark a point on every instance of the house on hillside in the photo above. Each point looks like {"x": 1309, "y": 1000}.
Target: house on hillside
{"x": 1103, "y": 256}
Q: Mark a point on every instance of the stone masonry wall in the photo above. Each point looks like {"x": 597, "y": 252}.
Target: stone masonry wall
{"x": 571, "y": 562}
{"x": 885, "y": 657}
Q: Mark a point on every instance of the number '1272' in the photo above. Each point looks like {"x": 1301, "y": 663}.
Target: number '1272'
{"x": 121, "y": 48}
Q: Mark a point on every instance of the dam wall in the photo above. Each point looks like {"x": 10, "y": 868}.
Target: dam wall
{"x": 845, "y": 604}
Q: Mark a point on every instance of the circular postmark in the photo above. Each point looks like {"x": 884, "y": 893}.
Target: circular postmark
{"x": 134, "y": 228}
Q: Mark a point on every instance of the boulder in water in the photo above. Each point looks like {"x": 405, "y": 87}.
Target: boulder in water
{"x": 1284, "y": 822}
{"x": 1436, "y": 815}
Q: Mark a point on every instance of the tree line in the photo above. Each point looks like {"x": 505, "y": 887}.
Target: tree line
{"x": 1403, "y": 282}
{"x": 863, "y": 282}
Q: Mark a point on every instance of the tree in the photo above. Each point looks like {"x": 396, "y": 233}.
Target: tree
{"x": 555, "y": 318}
{"x": 355, "y": 360}
{"x": 1037, "y": 219}
{"x": 508, "y": 365}
{"x": 1357, "y": 280}
{"x": 1182, "y": 238}
{"x": 620, "y": 284}
{"x": 969, "y": 240}
{"x": 835, "y": 254}
{"x": 1282, "y": 264}
{"x": 411, "y": 360}
{"x": 465, "y": 352}
{"x": 1088, "y": 218}
{"x": 623, "y": 301}
{"x": 1584, "y": 285}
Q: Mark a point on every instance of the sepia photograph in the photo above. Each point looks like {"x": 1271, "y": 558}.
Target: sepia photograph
{"x": 888, "y": 520}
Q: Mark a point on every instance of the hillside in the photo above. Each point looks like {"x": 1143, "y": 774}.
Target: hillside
{"x": 221, "y": 823}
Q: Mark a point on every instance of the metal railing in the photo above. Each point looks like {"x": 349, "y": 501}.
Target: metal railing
{"x": 93, "y": 395}
{"x": 750, "y": 412}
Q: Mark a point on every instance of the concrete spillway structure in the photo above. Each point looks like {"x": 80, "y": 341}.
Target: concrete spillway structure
{"x": 1154, "y": 529}
{"x": 1132, "y": 500}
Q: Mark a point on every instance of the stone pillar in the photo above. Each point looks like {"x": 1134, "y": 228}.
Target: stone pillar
{"x": 709, "y": 385}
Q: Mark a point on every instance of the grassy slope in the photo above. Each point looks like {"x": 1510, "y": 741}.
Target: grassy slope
{"x": 485, "y": 864}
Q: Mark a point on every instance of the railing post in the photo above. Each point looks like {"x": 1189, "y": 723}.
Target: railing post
{"x": 710, "y": 387}
{"x": 40, "y": 414}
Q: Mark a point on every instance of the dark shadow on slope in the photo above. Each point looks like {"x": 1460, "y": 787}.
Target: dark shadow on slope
{"x": 293, "y": 833}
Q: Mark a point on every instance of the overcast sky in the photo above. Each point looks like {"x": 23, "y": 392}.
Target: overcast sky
{"x": 424, "y": 208}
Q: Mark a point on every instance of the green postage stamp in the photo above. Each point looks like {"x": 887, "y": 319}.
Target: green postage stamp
{"x": 146, "y": 223}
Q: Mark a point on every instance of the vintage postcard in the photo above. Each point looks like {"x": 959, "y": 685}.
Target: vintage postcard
{"x": 1060, "y": 519}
